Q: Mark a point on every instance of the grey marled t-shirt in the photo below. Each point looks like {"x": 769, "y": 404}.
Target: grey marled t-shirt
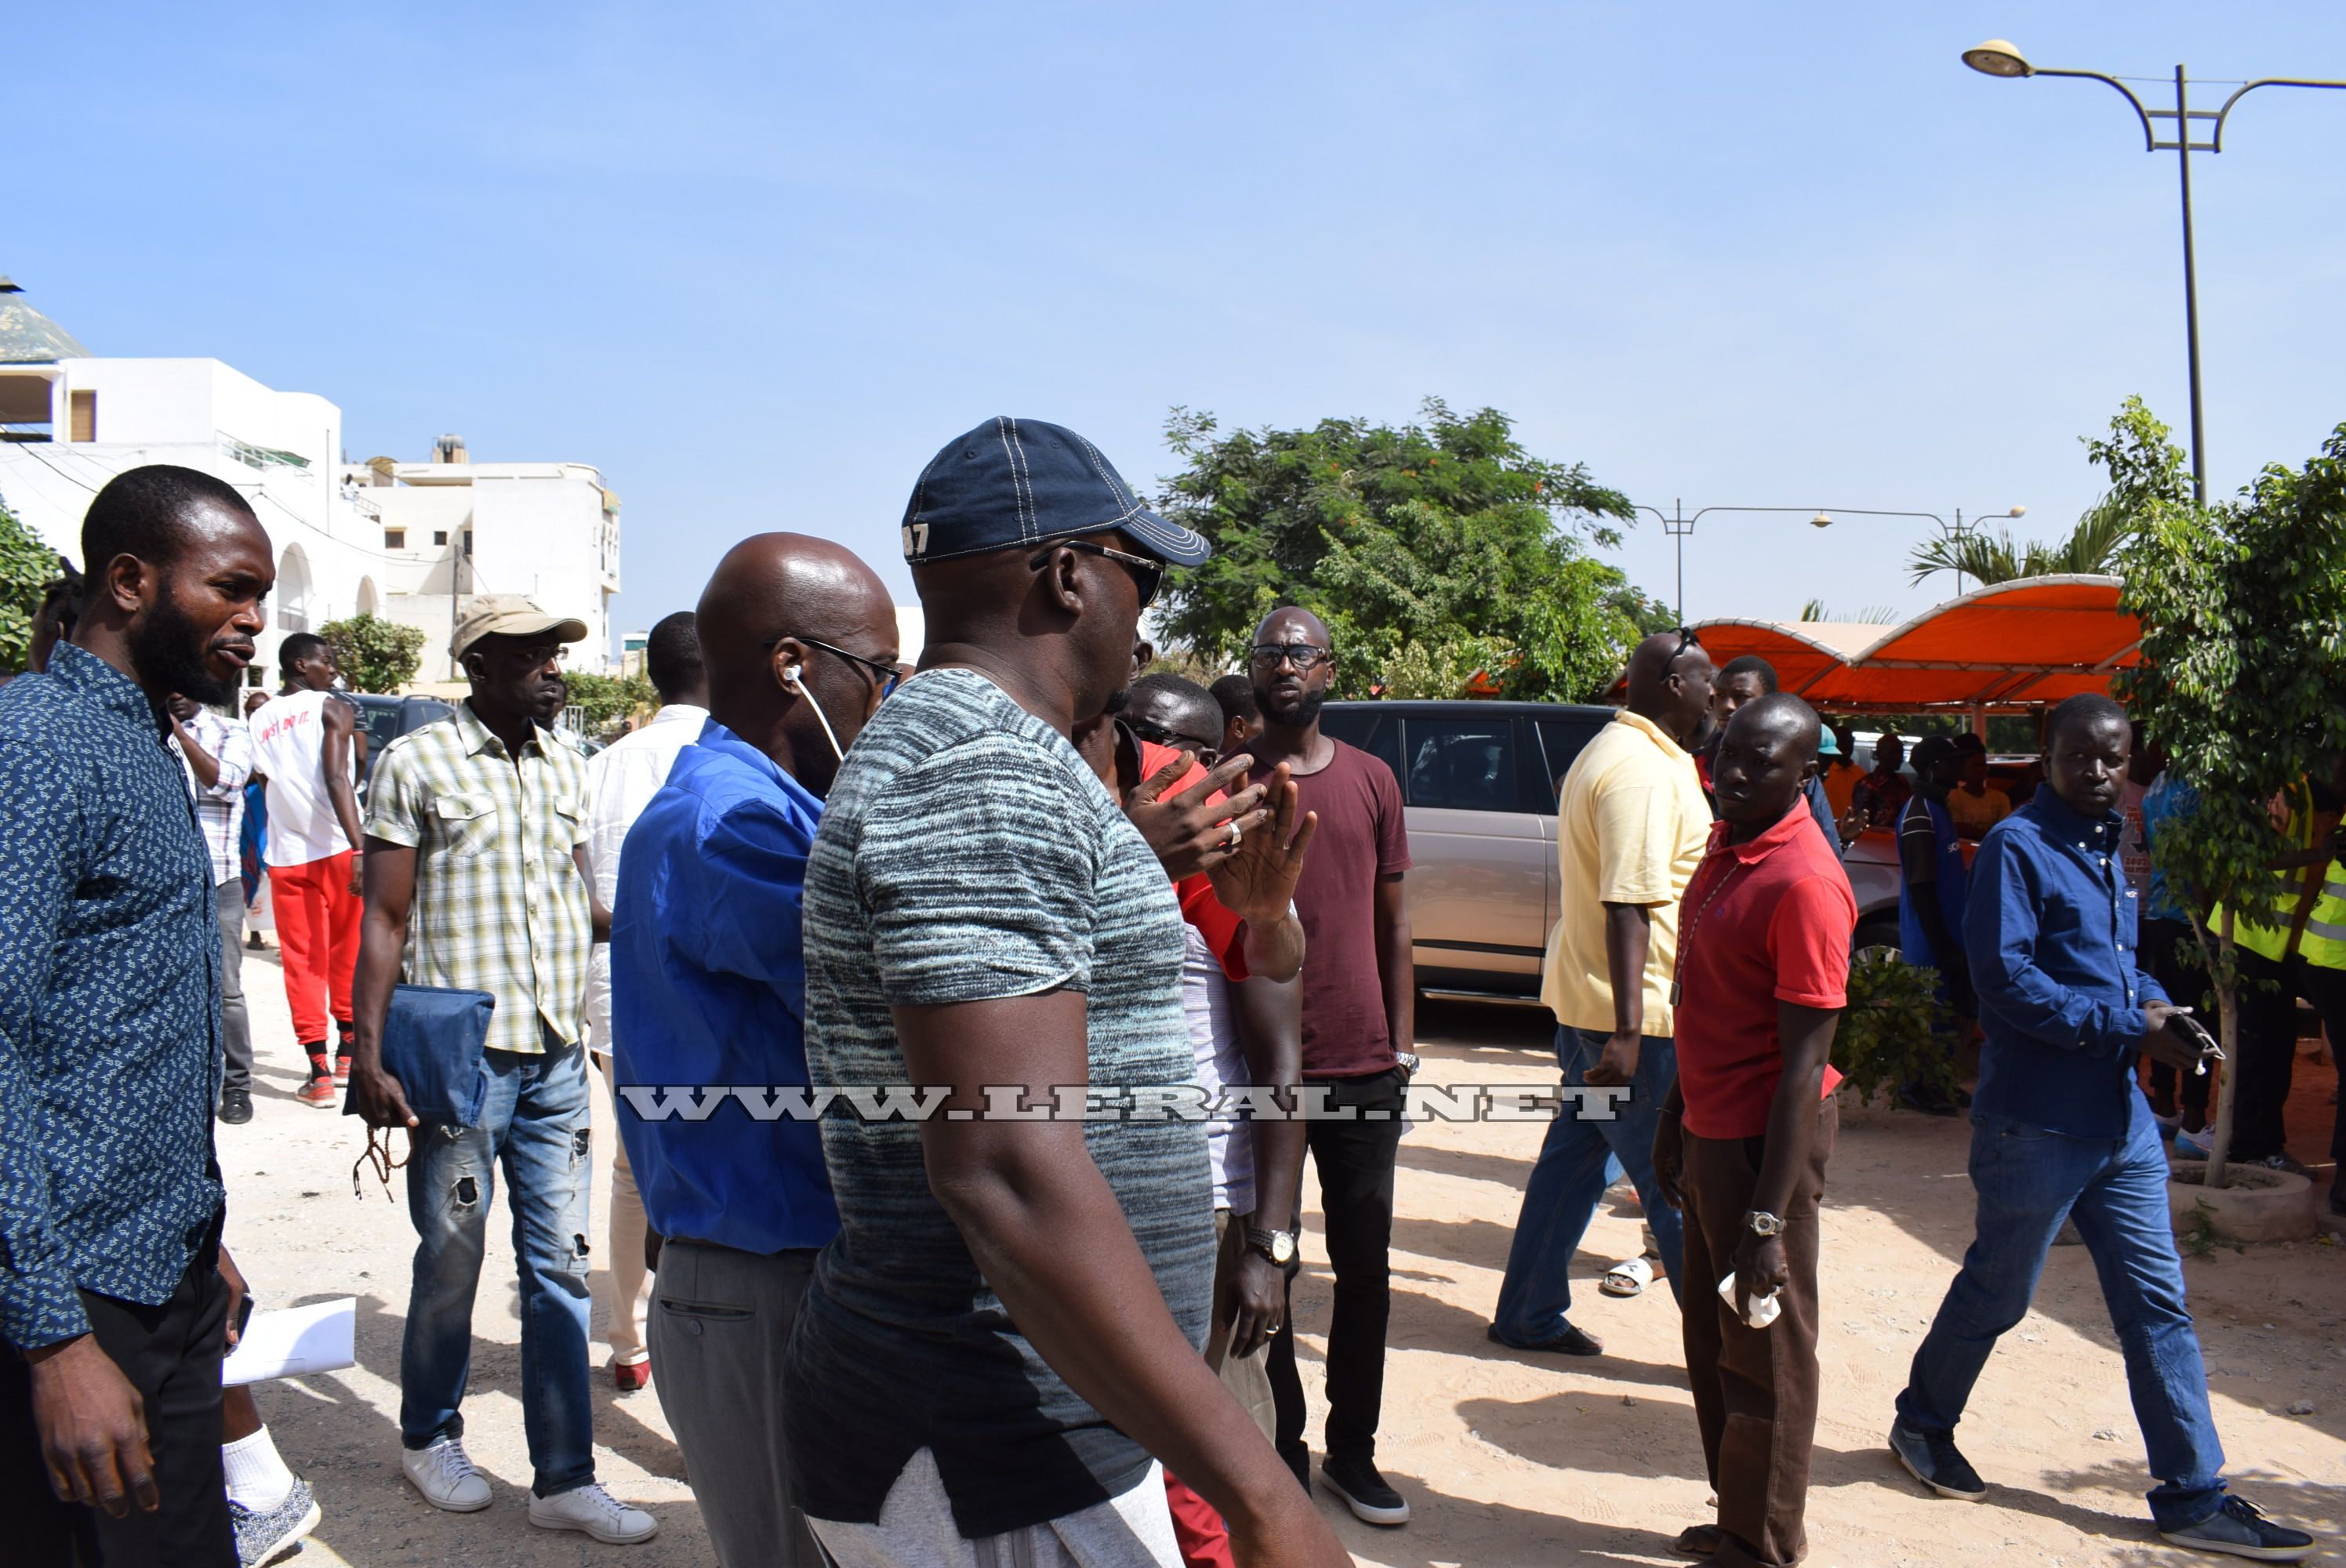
{"x": 968, "y": 854}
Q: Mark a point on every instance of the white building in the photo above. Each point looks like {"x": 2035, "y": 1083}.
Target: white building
{"x": 403, "y": 541}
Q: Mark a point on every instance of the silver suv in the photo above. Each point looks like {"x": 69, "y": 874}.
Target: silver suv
{"x": 1478, "y": 783}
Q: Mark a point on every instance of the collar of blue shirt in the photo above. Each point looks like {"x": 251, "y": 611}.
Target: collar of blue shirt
{"x": 77, "y": 669}
{"x": 2054, "y": 817}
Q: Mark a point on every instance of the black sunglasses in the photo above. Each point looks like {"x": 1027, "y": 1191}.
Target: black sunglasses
{"x": 1148, "y": 576}
{"x": 1155, "y": 734}
{"x": 886, "y": 674}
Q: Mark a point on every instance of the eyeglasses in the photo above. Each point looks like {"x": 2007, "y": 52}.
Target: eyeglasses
{"x": 1687, "y": 639}
{"x": 886, "y": 674}
{"x": 1302, "y": 655}
{"x": 1149, "y": 729}
{"x": 1147, "y": 575}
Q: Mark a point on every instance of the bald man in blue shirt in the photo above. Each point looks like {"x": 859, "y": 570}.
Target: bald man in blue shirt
{"x": 708, "y": 991}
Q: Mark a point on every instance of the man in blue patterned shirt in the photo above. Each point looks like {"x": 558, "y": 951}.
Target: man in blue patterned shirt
{"x": 112, "y": 1305}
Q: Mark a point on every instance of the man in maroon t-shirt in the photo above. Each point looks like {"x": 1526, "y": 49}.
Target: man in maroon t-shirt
{"x": 1359, "y": 1015}
{"x": 1763, "y": 968}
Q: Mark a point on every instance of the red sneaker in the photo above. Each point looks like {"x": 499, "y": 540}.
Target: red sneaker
{"x": 342, "y": 1068}
{"x": 319, "y": 1091}
{"x": 631, "y": 1376}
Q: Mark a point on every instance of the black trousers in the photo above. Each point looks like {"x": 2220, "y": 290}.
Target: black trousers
{"x": 2186, "y": 980}
{"x": 2268, "y": 1055}
{"x": 171, "y": 1355}
{"x": 1354, "y": 1160}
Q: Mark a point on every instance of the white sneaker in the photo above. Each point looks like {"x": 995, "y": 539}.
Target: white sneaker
{"x": 595, "y": 1510}
{"x": 445, "y": 1476}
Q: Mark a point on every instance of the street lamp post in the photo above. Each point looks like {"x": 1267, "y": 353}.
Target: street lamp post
{"x": 1679, "y": 523}
{"x": 1998, "y": 57}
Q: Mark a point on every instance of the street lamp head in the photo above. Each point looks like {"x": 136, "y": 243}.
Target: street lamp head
{"x": 1821, "y": 519}
{"x": 1998, "y": 57}
{"x": 2017, "y": 511}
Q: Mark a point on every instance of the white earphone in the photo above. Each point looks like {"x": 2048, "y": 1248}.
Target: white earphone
{"x": 791, "y": 678}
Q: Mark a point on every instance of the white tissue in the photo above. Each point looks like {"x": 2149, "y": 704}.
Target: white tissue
{"x": 1763, "y": 1309}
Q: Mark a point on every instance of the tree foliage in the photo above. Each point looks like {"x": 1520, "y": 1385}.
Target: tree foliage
{"x": 1434, "y": 551}
{"x": 27, "y": 567}
{"x": 2091, "y": 547}
{"x": 597, "y": 703}
{"x": 2243, "y": 674}
{"x": 1895, "y": 1029}
{"x": 373, "y": 654}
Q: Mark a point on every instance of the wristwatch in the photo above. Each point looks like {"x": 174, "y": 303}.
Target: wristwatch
{"x": 1763, "y": 1223}
{"x": 1279, "y": 1246}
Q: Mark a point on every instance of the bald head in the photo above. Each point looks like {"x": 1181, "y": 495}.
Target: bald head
{"x": 784, "y": 584}
{"x": 1292, "y": 624}
{"x": 1765, "y": 758}
{"x": 1669, "y": 680}
{"x": 771, "y": 600}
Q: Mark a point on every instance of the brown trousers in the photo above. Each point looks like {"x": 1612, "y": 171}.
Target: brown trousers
{"x": 1755, "y": 1389}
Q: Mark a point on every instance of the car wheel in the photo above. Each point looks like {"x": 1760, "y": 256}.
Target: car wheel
{"x": 1879, "y": 932}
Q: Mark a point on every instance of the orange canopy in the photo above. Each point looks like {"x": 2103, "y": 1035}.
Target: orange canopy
{"x": 2007, "y": 647}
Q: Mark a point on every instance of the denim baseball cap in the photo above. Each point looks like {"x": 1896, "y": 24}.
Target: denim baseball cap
{"x": 1013, "y": 481}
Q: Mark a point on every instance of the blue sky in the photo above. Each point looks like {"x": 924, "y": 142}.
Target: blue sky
{"x": 758, "y": 262}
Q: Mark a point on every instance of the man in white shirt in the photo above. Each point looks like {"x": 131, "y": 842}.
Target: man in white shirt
{"x": 622, "y": 780}
{"x": 302, "y": 742}
{"x": 217, "y": 752}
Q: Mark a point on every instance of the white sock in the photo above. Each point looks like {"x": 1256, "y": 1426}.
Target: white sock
{"x": 256, "y": 1478}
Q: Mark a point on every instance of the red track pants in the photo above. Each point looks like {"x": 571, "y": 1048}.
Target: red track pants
{"x": 1197, "y": 1527}
{"x": 317, "y": 918}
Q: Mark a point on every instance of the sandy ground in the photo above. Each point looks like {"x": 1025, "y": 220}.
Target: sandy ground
{"x": 1509, "y": 1459}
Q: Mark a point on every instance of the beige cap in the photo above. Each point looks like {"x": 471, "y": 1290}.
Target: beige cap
{"x": 510, "y": 616}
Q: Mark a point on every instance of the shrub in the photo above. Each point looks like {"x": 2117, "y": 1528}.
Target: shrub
{"x": 1896, "y": 1031}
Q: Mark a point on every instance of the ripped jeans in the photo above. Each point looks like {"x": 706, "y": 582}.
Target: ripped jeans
{"x": 534, "y": 1125}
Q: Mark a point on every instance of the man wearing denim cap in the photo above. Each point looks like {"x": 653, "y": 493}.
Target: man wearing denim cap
{"x": 1007, "y": 1327}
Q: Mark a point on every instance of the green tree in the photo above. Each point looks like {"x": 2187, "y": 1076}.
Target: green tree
{"x": 597, "y": 703}
{"x": 373, "y": 654}
{"x": 2093, "y": 546}
{"x": 1434, "y": 551}
{"x": 2243, "y": 673}
{"x": 27, "y": 567}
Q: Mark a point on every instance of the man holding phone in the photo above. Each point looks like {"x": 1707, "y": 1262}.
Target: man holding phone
{"x": 2059, "y": 1130}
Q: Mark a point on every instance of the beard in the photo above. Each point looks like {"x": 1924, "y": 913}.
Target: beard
{"x": 1302, "y": 715}
{"x": 167, "y": 650}
{"x": 1117, "y": 700}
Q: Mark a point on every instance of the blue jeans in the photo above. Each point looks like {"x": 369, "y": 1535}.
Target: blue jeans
{"x": 534, "y": 1124}
{"x": 1561, "y": 1197}
{"x": 2028, "y": 1181}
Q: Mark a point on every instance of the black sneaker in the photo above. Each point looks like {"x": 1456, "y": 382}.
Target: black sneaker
{"x": 236, "y": 1106}
{"x": 1365, "y": 1491}
{"x": 1932, "y": 1459}
{"x": 2241, "y": 1529}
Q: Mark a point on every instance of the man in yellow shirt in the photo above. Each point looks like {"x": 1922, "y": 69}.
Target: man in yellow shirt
{"x": 1976, "y": 804}
{"x": 1631, "y": 825}
{"x": 1837, "y": 768}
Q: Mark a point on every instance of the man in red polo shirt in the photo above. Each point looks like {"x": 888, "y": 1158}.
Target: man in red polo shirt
{"x": 1763, "y": 964}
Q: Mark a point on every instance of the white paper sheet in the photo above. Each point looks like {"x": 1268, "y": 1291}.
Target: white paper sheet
{"x": 294, "y": 1341}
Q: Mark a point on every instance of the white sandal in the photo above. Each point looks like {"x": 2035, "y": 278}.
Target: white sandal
{"x": 1628, "y": 1279}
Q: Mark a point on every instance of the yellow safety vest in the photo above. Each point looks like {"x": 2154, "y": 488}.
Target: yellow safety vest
{"x": 2316, "y": 928}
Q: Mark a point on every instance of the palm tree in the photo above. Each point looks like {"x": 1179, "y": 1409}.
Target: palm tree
{"x": 2091, "y": 547}
{"x": 1872, "y": 615}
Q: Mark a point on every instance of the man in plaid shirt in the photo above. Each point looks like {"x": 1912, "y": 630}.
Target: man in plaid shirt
{"x": 474, "y": 878}
{"x": 217, "y": 753}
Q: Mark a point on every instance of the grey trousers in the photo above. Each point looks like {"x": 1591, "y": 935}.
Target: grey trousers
{"x": 236, "y": 1029}
{"x": 718, "y": 1323}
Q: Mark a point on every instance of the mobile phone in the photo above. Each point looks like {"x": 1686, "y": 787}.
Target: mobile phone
{"x": 243, "y": 1316}
{"x": 2191, "y": 1029}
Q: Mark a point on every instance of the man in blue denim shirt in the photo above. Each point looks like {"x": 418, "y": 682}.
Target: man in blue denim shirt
{"x": 2060, "y": 1131}
{"x": 709, "y": 989}
{"x": 113, "y": 1305}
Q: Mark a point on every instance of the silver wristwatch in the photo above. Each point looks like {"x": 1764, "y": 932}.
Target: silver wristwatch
{"x": 1763, "y": 1223}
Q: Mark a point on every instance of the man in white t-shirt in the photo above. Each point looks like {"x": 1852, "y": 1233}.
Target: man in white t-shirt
{"x": 621, "y": 781}
{"x": 303, "y": 743}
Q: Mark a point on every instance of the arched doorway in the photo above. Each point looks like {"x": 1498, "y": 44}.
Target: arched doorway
{"x": 369, "y": 604}
{"x": 293, "y": 590}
